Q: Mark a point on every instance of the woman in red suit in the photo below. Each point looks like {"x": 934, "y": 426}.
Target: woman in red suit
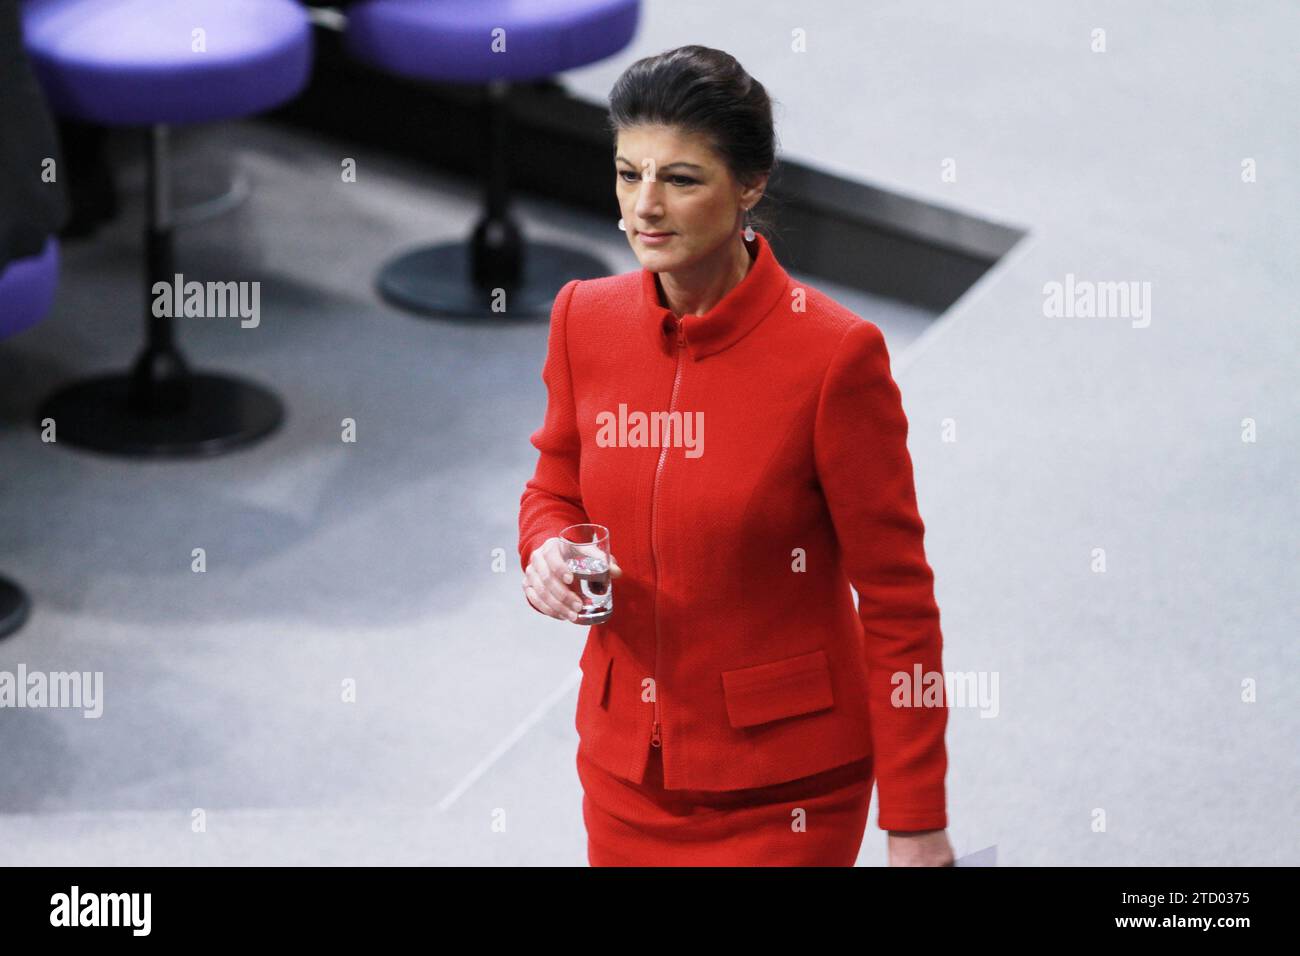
{"x": 741, "y": 436}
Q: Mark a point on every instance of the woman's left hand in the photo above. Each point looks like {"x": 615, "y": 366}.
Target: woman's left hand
{"x": 920, "y": 848}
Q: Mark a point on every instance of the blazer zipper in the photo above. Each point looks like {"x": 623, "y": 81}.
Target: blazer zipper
{"x": 656, "y": 740}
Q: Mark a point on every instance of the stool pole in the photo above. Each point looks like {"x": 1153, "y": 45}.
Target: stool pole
{"x": 496, "y": 248}
{"x": 160, "y": 379}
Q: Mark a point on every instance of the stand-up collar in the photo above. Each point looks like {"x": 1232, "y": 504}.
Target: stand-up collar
{"x": 742, "y": 308}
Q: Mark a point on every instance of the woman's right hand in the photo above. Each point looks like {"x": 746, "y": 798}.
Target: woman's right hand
{"x": 547, "y": 582}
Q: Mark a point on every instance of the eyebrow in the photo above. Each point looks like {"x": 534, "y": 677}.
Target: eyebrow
{"x": 669, "y": 166}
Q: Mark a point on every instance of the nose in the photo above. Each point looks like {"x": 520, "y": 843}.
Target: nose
{"x": 648, "y": 205}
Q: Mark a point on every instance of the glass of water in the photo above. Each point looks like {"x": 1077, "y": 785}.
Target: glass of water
{"x": 585, "y": 550}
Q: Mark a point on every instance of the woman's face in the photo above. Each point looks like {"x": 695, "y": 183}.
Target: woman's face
{"x": 673, "y": 182}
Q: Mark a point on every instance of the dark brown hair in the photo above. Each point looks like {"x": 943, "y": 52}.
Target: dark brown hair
{"x": 697, "y": 89}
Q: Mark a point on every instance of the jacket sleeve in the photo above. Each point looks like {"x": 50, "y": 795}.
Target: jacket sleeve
{"x": 552, "y": 499}
{"x": 865, "y": 472}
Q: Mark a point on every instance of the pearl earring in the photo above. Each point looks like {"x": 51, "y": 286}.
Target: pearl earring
{"x": 749, "y": 230}
{"x": 622, "y": 227}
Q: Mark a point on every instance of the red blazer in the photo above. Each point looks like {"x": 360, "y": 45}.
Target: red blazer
{"x": 734, "y": 642}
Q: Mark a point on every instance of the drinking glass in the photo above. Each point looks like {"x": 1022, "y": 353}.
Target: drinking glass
{"x": 585, "y": 550}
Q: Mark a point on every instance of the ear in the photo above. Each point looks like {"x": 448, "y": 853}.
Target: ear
{"x": 752, "y": 193}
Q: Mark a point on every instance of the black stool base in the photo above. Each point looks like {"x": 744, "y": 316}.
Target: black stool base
{"x": 14, "y": 606}
{"x": 224, "y": 412}
{"x": 435, "y": 280}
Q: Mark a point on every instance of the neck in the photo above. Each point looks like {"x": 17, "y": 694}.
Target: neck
{"x": 695, "y": 290}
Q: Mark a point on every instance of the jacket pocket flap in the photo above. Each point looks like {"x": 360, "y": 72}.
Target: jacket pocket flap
{"x": 785, "y": 688}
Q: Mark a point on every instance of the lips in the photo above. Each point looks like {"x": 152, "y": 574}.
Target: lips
{"x": 655, "y": 235}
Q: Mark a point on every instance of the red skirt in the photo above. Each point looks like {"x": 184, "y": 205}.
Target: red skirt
{"x": 631, "y": 824}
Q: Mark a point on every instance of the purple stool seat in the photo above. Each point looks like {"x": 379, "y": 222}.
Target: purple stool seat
{"x": 27, "y": 289}
{"x": 26, "y": 294}
{"x": 452, "y": 40}
{"x": 133, "y": 62}
{"x": 491, "y": 43}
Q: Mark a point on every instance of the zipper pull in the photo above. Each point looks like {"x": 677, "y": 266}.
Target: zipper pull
{"x": 654, "y": 737}
{"x": 681, "y": 334}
